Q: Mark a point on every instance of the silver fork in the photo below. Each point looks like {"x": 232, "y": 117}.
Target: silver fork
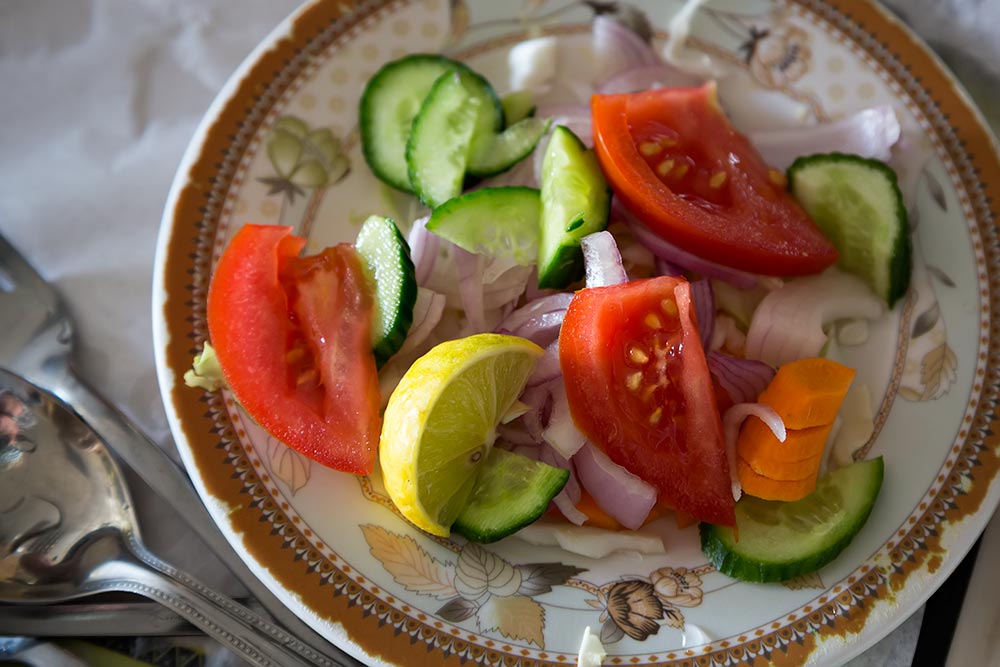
{"x": 36, "y": 343}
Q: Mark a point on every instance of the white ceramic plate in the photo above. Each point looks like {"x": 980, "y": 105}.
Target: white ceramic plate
{"x": 331, "y": 546}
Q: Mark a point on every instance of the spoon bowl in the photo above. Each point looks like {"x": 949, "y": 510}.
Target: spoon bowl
{"x": 68, "y": 528}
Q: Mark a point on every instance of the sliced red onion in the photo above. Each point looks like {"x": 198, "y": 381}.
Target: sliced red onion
{"x": 561, "y": 432}
{"x": 601, "y": 260}
{"x": 616, "y": 490}
{"x": 427, "y": 311}
{"x": 516, "y": 434}
{"x": 539, "y": 320}
{"x": 470, "y": 287}
{"x": 742, "y": 379}
{"x": 618, "y": 48}
{"x": 423, "y": 249}
{"x": 869, "y": 133}
{"x": 682, "y": 258}
{"x": 537, "y": 419}
{"x": 731, "y": 422}
{"x": 547, "y": 369}
{"x": 568, "y": 508}
{"x": 789, "y": 323}
{"x": 665, "y": 268}
{"x": 703, "y": 297}
{"x": 644, "y": 77}
{"x": 548, "y": 454}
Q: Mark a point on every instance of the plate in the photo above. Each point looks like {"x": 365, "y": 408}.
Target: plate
{"x": 331, "y": 546}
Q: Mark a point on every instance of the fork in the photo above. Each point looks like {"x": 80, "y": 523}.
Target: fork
{"x": 37, "y": 344}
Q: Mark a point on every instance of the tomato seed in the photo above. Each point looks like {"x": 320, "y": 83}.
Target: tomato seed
{"x": 669, "y": 307}
{"x": 718, "y": 178}
{"x": 665, "y": 167}
{"x": 653, "y": 321}
{"x": 654, "y": 418}
{"x": 637, "y": 354}
{"x": 634, "y": 381}
{"x": 649, "y": 149}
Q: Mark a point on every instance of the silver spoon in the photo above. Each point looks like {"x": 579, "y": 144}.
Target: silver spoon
{"x": 67, "y": 528}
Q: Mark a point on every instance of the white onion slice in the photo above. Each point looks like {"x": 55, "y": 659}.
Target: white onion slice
{"x": 789, "y": 322}
{"x": 561, "y": 432}
{"x": 601, "y": 260}
{"x": 423, "y": 249}
{"x": 731, "y": 422}
{"x": 588, "y": 541}
{"x": 617, "y": 491}
{"x": 679, "y": 257}
{"x": 517, "y": 435}
{"x": 742, "y": 379}
{"x": 470, "y": 287}
{"x": 533, "y": 63}
{"x": 618, "y": 48}
{"x": 540, "y": 399}
{"x": 645, "y": 77}
{"x": 427, "y": 311}
{"x": 568, "y": 508}
{"x": 869, "y": 133}
{"x": 547, "y": 454}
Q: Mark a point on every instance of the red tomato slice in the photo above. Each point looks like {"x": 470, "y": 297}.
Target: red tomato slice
{"x": 293, "y": 338}
{"x": 639, "y": 387}
{"x": 676, "y": 163}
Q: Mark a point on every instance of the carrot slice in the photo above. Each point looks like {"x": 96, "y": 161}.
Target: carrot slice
{"x": 784, "y": 471}
{"x": 773, "y": 489}
{"x": 757, "y": 442}
{"x": 808, "y": 392}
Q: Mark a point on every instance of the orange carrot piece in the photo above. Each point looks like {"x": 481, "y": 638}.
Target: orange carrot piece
{"x": 785, "y": 471}
{"x": 773, "y": 489}
{"x": 808, "y": 392}
{"x": 684, "y": 519}
{"x": 757, "y": 442}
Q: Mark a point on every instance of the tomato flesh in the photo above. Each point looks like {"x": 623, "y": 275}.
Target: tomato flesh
{"x": 672, "y": 157}
{"x": 639, "y": 387}
{"x": 293, "y": 337}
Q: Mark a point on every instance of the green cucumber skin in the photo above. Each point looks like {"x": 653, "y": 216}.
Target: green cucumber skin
{"x": 723, "y": 552}
{"x": 389, "y": 85}
{"x": 488, "y": 206}
{"x": 438, "y": 132}
{"x": 560, "y": 259}
{"x": 392, "y": 169}
{"x": 901, "y": 259}
{"x": 386, "y": 257}
{"x": 508, "y": 148}
{"x": 490, "y": 525}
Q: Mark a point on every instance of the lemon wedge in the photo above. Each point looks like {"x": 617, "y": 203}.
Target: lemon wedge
{"x": 440, "y": 423}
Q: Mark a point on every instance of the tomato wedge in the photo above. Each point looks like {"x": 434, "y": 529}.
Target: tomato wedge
{"x": 672, "y": 157}
{"x": 293, "y": 338}
{"x": 639, "y": 387}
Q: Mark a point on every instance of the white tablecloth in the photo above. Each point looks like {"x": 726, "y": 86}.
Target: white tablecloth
{"x": 99, "y": 100}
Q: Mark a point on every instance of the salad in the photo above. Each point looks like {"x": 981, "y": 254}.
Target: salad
{"x": 607, "y": 314}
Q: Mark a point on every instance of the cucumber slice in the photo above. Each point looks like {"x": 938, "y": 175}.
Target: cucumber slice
{"x": 389, "y": 104}
{"x": 492, "y": 221}
{"x": 779, "y": 541}
{"x": 510, "y": 492}
{"x": 576, "y": 201}
{"x": 856, "y": 202}
{"x": 517, "y": 106}
{"x": 386, "y": 258}
{"x": 459, "y": 116}
{"x": 506, "y": 149}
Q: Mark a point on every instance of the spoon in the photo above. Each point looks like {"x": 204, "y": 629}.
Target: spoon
{"x": 68, "y": 529}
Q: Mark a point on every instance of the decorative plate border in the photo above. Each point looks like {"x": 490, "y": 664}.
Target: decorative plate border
{"x": 273, "y": 535}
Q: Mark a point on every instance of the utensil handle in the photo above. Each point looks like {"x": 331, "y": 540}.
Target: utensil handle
{"x": 171, "y": 483}
{"x": 232, "y": 624}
